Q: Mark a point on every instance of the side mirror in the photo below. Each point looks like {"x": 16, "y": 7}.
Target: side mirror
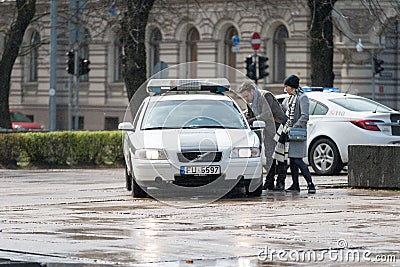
{"x": 258, "y": 125}
{"x": 126, "y": 126}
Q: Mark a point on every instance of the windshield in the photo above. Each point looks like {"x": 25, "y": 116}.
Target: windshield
{"x": 19, "y": 117}
{"x": 185, "y": 114}
{"x": 360, "y": 104}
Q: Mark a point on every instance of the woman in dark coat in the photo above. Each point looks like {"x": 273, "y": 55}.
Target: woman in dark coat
{"x": 297, "y": 106}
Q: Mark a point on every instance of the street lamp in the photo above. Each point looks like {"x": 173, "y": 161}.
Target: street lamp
{"x": 360, "y": 48}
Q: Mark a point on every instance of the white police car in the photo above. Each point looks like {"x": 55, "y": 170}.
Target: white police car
{"x": 340, "y": 119}
{"x": 189, "y": 134}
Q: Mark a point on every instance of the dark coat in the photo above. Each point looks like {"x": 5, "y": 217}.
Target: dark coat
{"x": 269, "y": 111}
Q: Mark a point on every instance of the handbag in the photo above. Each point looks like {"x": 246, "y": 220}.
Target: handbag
{"x": 297, "y": 134}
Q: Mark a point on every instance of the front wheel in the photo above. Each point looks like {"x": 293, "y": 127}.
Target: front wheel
{"x": 325, "y": 158}
{"x": 257, "y": 192}
{"x": 137, "y": 191}
{"x": 128, "y": 179}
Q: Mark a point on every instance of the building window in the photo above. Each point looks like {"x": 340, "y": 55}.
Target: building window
{"x": 81, "y": 122}
{"x": 192, "y": 38}
{"x": 229, "y": 55}
{"x": 117, "y": 74}
{"x": 280, "y": 36}
{"x": 391, "y": 35}
{"x": 155, "y": 39}
{"x": 33, "y": 57}
{"x": 111, "y": 123}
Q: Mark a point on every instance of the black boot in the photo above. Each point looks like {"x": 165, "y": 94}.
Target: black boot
{"x": 294, "y": 169}
{"x": 311, "y": 188}
{"x": 294, "y": 188}
{"x": 280, "y": 181}
{"x": 268, "y": 185}
{"x": 279, "y": 186}
{"x": 270, "y": 179}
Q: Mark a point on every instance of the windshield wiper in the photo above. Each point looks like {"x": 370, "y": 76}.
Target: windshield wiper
{"x": 204, "y": 126}
{"x": 159, "y": 128}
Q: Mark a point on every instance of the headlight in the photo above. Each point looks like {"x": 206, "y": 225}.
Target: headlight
{"x": 245, "y": 152}
{"x": 153, "y": 154}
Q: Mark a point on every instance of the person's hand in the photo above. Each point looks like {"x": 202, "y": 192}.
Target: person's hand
{"x": 251, "y": 120}
{"x": 282, "y": 138}
{"x": 285, "y": 120}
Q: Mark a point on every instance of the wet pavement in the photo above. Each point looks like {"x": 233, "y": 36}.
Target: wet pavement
{"x": 86, "y": 217}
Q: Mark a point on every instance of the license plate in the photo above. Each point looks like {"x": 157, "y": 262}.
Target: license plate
{"x": 200, "y": 170}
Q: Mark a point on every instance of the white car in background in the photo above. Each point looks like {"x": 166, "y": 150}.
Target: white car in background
{"x": 338, "y": 120}
{"x": 188, "y": 133}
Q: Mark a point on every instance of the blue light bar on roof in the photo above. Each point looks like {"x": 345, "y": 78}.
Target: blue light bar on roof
{"x": 331, "y": 89}
{"x": 320, "y": 89}
{"x": 312, "y": 89}
{"x": 157, "y": 86}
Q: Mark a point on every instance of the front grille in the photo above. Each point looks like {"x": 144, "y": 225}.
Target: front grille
{"x": 395, "y": 129}
{"x": 195, "y": 181}
{"x": 198, "y": 156}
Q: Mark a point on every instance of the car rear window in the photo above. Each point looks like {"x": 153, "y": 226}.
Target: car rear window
{"x": 360, "y": 104}
{"x": 317, "y": 108}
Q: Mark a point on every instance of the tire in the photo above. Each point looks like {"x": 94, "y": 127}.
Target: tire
{"x": 128, "y": 180}
{"x": 137, "y": 191}
{"x": 257, "y": 192}
{"x": 324, "y": 157}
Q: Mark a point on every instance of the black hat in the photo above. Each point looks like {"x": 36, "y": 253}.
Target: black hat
{"x": 292, "y": 81}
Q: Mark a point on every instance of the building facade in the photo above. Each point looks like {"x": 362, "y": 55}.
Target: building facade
{"x": 190, "y": 31}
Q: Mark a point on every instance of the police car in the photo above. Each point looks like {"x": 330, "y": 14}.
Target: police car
{"x": 340, "y": 119}
{"x": 190, "y": 134}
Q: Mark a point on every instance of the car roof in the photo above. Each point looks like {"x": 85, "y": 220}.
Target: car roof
{"x": 322, "y": 95}
{"x": 192, "y": 96}
{"x": 330, "y": 95}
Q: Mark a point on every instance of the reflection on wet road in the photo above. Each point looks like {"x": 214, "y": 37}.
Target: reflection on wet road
{"x": 87, "y": 217}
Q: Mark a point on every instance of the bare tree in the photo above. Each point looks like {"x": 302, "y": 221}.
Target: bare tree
{"x": 321, "y": 34}
{"x": 133, "y": 26}
{"x": 25, "y": 12}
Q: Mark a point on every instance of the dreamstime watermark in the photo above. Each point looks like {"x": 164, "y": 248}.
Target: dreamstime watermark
{"x": 341, "y": 253}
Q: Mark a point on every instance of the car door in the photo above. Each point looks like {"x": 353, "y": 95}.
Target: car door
{"x": 317, "y": 112}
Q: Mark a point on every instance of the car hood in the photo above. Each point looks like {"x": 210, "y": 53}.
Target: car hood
{"x": 196, "y": 140}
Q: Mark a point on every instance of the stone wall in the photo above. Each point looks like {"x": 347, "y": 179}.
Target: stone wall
{"x": 374, "y": 166}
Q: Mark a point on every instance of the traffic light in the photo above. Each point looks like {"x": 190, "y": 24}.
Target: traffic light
{"x": 251, "y": 68}
{"x": 262, "y": 67}
{"x": 378, "y": 65}
{"x": 71, "y": 62}
{"x": 84, "y": 66}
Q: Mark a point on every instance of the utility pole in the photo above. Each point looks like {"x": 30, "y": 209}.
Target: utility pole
{"x": 74, "y": 45}
{"x": 72, "y": 40}
{"x": 53, "y": 67}
{"x": 373, "y": 72}
{"x": 77, "y": 77}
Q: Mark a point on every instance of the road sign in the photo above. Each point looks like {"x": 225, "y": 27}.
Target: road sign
{"x": 255, "y": 41}
{"x": 235, "y": 40}
{"x": 235, "y": 49}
